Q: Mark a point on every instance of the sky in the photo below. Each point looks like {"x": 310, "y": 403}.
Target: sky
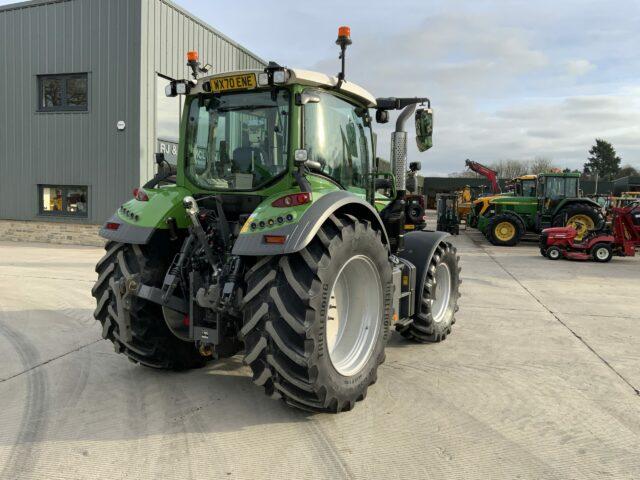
{"x": 508, "y": 79}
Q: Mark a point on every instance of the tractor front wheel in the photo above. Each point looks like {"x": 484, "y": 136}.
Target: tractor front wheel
{"x": 504, "y": 230}
{"x": 601, "y": 252}
{"x": 554, "y": 253}
{"x": 316, "y": 322}
{"x": 438, "y": 301}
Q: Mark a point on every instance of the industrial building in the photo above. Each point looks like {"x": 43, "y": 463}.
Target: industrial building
{"x": 82, "y": 105}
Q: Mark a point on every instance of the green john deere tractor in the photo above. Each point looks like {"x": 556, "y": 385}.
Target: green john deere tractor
{"x": 279, "y": 237}
{"x": 554, "y": 200}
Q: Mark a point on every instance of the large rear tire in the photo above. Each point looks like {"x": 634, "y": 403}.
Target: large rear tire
{"x": 585, "y": 218}
{"x": 438, "y": 303}
{"x": 316, "y": 322}
{"x": 152, "y": 344}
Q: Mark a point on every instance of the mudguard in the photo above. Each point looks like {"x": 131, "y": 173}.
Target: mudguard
{"x": 419, "y": 247}
{"x": 299, "y": 234}
{"x": 137, "y": 220}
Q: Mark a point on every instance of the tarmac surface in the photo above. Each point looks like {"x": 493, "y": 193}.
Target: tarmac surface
{"x": 540, "y": 379}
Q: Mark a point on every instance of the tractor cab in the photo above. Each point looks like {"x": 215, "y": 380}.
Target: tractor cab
{"x": 525, "y": 186}
{"x": 553, "y": 188}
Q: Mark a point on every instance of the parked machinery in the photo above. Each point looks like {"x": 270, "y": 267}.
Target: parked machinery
{"x": 622, "y": 239}
{"x": 447, "y": 213}
{"x": 556, "y": 203}
{"x": 276, "y": 240}
{"x": 523, "y": 186}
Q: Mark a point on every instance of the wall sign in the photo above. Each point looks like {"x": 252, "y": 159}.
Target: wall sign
{"x": 169, "y": 148}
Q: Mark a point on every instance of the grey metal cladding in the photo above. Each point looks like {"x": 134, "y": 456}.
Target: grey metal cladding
{"x": 301, "y": 233}
{"x": 127, "y": 233}
{"x": 120, "y": 44}
{"x": 97, "y": 37}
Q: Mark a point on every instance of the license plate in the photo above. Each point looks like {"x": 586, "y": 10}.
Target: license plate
{"x": 243, "y": 81}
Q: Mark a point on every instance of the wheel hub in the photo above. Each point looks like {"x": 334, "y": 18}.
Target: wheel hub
{"x": 442, "y": 292}
{"x": 354, "y": 315}
{"x": 505, "y": 231}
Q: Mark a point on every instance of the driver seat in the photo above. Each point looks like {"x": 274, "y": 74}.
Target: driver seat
{"x": 242, "y": 156}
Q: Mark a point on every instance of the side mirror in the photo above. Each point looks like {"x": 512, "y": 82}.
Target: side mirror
{"x": 382, "y": 116}
{"x": 424, "y": 129}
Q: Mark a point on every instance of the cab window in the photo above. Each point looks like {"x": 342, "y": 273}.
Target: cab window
{"x": 335, "y": 135}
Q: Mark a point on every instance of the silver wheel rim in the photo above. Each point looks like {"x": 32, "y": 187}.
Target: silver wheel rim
{"x": 602, "y": 253}
{"x": 553, "y": 253}
{"x": 354, "y": 315}
{"x": 442, "y": 293}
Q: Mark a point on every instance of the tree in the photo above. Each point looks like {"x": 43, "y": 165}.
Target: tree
{"x": 540, "y": 165}
{"x": 510, "y": 168}
{"x": 627, "y": 171}
{"x": 603, "y": 159}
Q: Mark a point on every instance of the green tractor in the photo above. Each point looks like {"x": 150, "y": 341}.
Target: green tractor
{"x": 552, "y": 201}
{"x": 280, "y": 238}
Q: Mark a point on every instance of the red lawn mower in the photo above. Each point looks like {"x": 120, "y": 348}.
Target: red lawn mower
{"x": 622, "y": 240}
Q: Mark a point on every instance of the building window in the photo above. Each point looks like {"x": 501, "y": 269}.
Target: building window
{"x": 63, "y": 93}
{"x": 63, "y": 200}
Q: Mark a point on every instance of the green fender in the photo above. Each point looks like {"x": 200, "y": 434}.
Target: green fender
{"x": 572, "y": 201}
{"x": 305, "y": 225}
{"x": 137, "y": 220}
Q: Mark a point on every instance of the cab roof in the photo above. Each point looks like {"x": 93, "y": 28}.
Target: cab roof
{"x": 305, "y": 77}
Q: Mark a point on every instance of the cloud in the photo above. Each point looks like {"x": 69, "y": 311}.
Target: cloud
{"x": 508, "y": 79}
{"x": 577, "y": 68}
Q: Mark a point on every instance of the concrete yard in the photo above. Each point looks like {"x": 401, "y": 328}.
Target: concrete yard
{"x": 540, "y": 379}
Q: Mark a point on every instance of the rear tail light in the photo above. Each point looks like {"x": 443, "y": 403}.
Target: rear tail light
{"x": 112, "y": 226}
{"x": 292, "y": 200}
{"x": 140, "y": 195}
{"x": 275, "y": 239}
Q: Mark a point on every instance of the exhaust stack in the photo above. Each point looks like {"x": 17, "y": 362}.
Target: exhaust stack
{"x": 399, "y": 149}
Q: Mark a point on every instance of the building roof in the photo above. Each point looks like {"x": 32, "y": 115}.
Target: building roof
{"x": 37, "y": 3}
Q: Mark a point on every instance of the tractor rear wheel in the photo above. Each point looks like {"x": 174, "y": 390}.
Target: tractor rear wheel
{"x": 152, "y": 344}
{"x": 438, "y": 302}
{"x": 316, "y": 322}
{"x": 601, "y": 252}
{"x": 583, "y": 217}
{"x": 505, "y": 230}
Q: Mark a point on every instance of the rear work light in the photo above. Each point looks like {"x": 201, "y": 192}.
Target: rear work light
{"x": 292, "y": 200}
{"x": 140, "y": 195}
